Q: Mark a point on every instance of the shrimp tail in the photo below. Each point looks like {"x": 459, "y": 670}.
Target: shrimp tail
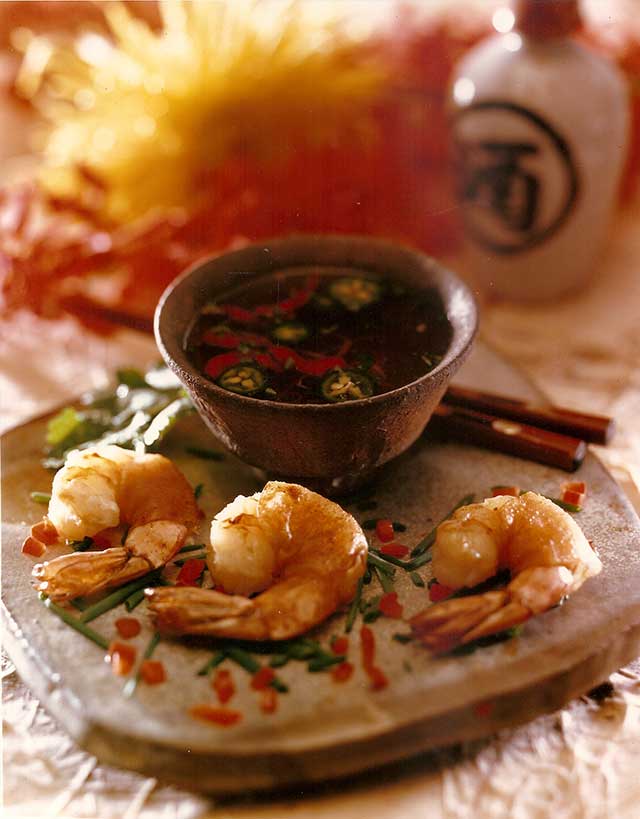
{"x": 462, "y": 620}
{"x": 79, "y": 573}
{"x": 188, "y": 610}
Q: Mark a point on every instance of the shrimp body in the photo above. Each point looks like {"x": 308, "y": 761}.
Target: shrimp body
{"x": 538, "y": 542}
{"x": 100, "y": 488}
{"x": 303, "y": 553}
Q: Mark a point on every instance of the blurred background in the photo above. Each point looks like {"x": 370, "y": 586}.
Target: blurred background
{"x": 137, "y": 137}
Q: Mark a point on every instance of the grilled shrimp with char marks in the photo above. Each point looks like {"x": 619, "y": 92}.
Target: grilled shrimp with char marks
{"x": 541, "y": 545}
{"x": 302, "y": 553}
{"x": 100, "y": 488}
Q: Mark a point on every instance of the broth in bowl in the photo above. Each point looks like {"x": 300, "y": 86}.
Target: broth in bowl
{"x": 319, "y": 335}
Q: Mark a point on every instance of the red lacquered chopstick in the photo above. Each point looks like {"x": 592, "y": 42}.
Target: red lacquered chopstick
{"x": 512, "y": 437}
{"x": 596, "y": 429}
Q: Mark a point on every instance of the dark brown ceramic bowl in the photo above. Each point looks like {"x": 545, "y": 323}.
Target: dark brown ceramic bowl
{"x": 331, "y": 447}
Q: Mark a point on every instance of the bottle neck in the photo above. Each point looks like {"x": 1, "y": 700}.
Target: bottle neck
{"x": 547, "y": 19}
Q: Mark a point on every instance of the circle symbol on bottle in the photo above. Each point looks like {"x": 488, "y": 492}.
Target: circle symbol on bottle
{"x": 516, "y": 176}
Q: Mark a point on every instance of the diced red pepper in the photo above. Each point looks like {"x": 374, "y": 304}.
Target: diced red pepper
{"x": 223, "y": 717}
{"x": 576, "y": 498}
{"x": 378, "y": 678}
{"x": 438, "y": 591}
{"x": 190, "y": 572}
{"x": 340, "y": 645}
{"x": 152, "y": 672}
{"x": 221, "y": 339}
{"x": 575, "y": 486}
{"x": 128, "y": 627}
{"x": 269, "y": 701}
{"x": 505, "y": 490}
{"x": 101, "y": 541}
{"x": 223, "y": 685}
{"x": 122, "y": 657}
{"x": 219, "y": 363}
{"x": 390, "y": 606}
{"x": 300, "y": 298}
{"x": 384, "y": 530}
{"x": 45, "y": 532}
{"x": 34, "y": 547}
{"x": 367, "y": 647}
{"x": 262, "y": 679}
{"x": 342, "y": 672}
{"x": 394, "y": 549}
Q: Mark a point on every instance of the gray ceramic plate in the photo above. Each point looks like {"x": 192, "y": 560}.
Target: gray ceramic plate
{"x": 323, "y": 729}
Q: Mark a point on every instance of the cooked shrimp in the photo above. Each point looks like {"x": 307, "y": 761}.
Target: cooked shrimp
{"x": 100, "y": 488}
{"x": 301, "y": 551}
{"x": 542, "y": 546}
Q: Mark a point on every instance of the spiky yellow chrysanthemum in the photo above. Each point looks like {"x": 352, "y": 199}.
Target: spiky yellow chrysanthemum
{"x": 149, "y": 112}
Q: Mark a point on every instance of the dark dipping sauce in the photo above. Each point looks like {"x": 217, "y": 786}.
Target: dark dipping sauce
{"x": 319, "y": 335}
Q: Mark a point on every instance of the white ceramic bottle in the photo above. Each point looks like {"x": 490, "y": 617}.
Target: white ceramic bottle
{"x": 540, "y": 128}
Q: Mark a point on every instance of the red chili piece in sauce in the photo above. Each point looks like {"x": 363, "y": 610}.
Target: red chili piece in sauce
{"x": 223, "y": 685}
{"x": 224, "y": 717}
{"x": 394, "y": 549}
{"x": 342, "y": 672}
{"x": 190, "y": 572}
{"x": 368, "y": 649}
{"x": 384, "y": 530}
{"x": 390, "y": 606}
{"x": 263, "y": 678}
{"x": 268, "y": 701}
{"x": 128, "y": 627}
{"x": 219, "y": 363}
{"x": 122, "y": 657}
{"x": 152, "y": 672}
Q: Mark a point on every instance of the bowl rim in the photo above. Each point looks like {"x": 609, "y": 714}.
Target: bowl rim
{"x": 461, "y": 340}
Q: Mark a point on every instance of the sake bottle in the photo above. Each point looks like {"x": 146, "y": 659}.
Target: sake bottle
{"x": 540, "y": 132}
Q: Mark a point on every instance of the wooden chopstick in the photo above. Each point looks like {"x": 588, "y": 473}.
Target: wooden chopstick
{"x": 596, "y": 429}
{"x": 507, "y": 435}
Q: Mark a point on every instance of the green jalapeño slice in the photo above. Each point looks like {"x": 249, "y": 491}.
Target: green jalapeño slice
{"x": 345, "y": 385}
{"x": 243, "y": 379}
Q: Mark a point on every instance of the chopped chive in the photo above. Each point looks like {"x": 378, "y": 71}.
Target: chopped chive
{"x": 385, "y": 581}
{"x": 402, "y": 638}
{"x": 372, "y": 615}
{"x": 132, "y": 682}
{"x": 78, "y": 604}
{"x": 418, "y": 562}
{"x": 370, "y": 523}
{"x": 568, "y": 507}
{"x": 215, "y": 661}
{"x": 183, "y": 560}
{"x": 41, "y": 497}
{"x": 384, "y": 563}
{"x": 75, "y": 623}
{"x": 243, "y": 659}
{"x": 278, "y": 660}
{"x": 320, "y": 663}
{"x": 416, "y": 579}
{"x": 428, "y": 541}
{"x": 192, "y": 547}
{"x": 303, "y": 649}
{"x": 399, "y": 527}
{"x": 198, "y": 491}
{"x": 205, "y": 454}
{"x": 119, "y": 596}
{"x": 367, "y": 576}
{"x": 366, "y": 506}
{"x": 353, "y": 609}
{"x": 279, "y": 685}
{"x": 134, "y": 600}
{"x": 81, "y": 545}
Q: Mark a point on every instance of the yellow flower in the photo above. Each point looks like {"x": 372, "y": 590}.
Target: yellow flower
{"x": 150, "y": 113}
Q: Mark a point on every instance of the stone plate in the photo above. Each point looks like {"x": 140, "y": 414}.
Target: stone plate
{"x": 322, "y": 729}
